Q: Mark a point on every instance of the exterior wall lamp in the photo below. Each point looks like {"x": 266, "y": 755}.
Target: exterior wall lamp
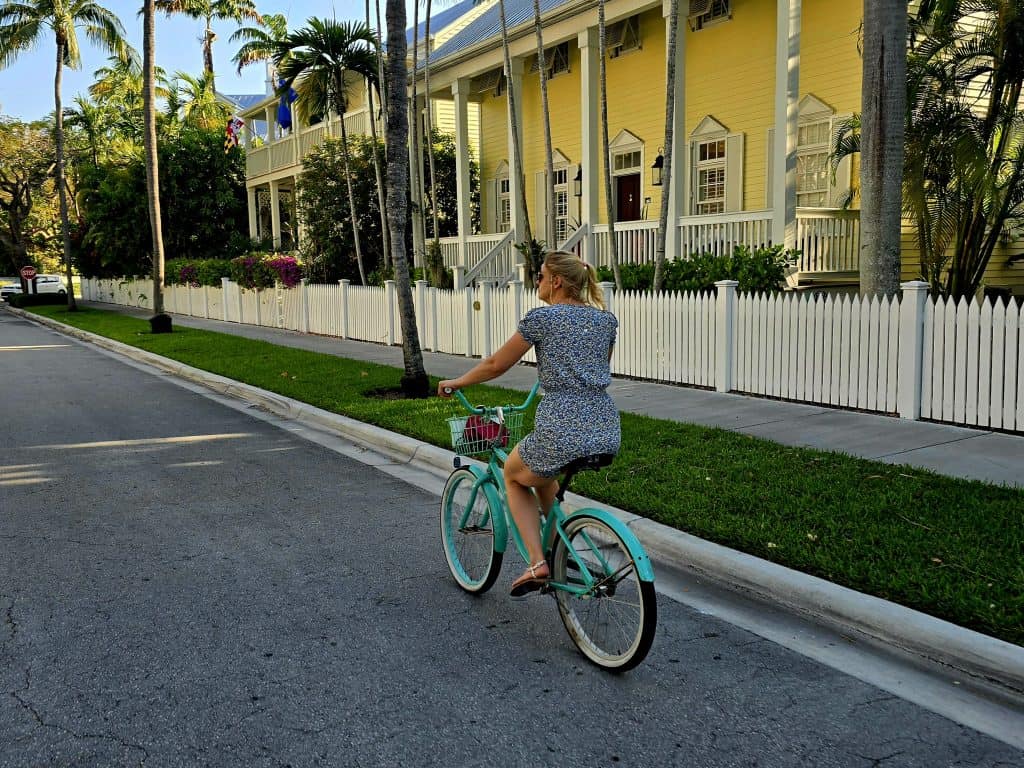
{"x": 577, "y": 182}
{"x": 659, "y": 163}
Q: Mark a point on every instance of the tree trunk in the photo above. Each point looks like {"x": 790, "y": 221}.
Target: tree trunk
{"x": 62, "y": 195}
{"x": 416, "y": 162}
{"x": 883, "y": 98}
{"x": 381, "y": 202}
{"x": 414, "y": 382}
{"x": 208, "y": 37}
{"x": 429, "y": 132}
{"x": 549, "y": 168}
{"x": 517, "y": 152}
{"x": 666, "y": 172}
{"x": 352, "y": 201}
{"x": 609, "y": 206}
{"x": 150, "y": 147}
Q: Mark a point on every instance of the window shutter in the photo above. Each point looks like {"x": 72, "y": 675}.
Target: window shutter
{"x": 839, "y": 187}
{"x": 489, "y": 204}
{"x": 769, "y": 174}
{"x": 540, "y": 226}
{"x": 734, "y": 172}
{"x": 692, "y": 204}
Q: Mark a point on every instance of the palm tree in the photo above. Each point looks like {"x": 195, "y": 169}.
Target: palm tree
{"x": 670, "y": 110}
{"x": 21, "y": 27}
{"x": 549, "y": 168}
{"x": 377, "y": 171}
{"x": 160, "y": 322}
{"x": 517, "y": 153}
{"x": 91, "y": 121}
{"x": 207, "y": 11}
{"x": 258, "y": 42}
{"x": 197, "y": 101}
{"x": 602, "y": 54}
{"x": 414, "y": 381}
{"x": 883, "y": 100}
{"x": 318, "y": 61}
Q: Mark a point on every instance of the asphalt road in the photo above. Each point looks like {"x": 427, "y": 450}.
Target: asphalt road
{"x": 184, "y": 584}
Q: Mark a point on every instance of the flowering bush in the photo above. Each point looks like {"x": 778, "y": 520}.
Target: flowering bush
{"x": 189, "y": 275}
{"x": 288, "y": 270}
{"x": 196, "y": 272}
{"x": 252, "y": 272}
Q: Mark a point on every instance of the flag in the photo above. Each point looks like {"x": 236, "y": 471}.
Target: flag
{"x": 232, "y": 132}
{"x": 284, "y": 110}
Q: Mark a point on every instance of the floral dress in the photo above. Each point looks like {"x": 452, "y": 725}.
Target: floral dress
{"x": 576, "y": 417}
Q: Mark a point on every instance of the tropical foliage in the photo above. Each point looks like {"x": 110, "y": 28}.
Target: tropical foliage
{"x": 762, "y": 270}
{"x": 29, "y": 221}
{"x": 207, "y": 11}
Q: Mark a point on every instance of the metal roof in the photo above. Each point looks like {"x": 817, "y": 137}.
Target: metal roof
{"x": 488, "y": 25}
{"x": 445, "y": 18}
{"x": 245, "y": 100}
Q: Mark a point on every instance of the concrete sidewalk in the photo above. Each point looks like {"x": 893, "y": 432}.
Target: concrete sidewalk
{"x": 954, "y": 451}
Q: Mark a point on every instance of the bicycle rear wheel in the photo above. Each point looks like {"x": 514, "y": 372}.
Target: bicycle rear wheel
{"x": 467, "y": 531}
{"x": 612, "y": 617}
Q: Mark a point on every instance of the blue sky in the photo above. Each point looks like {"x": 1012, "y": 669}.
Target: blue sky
{"x": 26, "y": 87}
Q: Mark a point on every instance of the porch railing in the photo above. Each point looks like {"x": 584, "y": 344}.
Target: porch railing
{"x": 829, "y": 240}
{"x": 636, "y": 240}
{"x": 720, "y": 233}
{"x": 498, "y": 262}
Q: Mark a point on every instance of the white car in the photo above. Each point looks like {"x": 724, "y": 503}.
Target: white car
{"x": 44, "y": 284}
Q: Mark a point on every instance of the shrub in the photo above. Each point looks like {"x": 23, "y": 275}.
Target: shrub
{"x": 761, "y": 270}
{"x": 35, "y": 299}
{"x": 196, "y": 272}
{"x": 288, "y": 270}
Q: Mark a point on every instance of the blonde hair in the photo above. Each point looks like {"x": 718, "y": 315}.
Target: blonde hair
{"x": 579, "y": 279}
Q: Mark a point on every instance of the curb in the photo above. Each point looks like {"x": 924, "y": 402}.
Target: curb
{"x": 965, "y": 650}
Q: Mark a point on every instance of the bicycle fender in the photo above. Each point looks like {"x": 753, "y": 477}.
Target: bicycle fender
{"x": 643, "y": 563}
{"x": 494, "y": 500}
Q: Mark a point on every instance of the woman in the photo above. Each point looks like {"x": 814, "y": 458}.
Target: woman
{"x": 573, "y": 337}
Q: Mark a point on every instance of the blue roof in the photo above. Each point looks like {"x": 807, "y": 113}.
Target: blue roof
{"x": 488, "y": 25}
{"x": 439, "y": 21}
{"x": 245, "y": 100}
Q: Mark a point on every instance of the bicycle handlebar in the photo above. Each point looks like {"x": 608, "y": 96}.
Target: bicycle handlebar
{"x": 481, "y": 409}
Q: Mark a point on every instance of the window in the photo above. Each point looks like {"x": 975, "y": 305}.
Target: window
{"x": 704, "y": 13}
{"x": 623, "y": 36}
{"x": 812, "y": 169}
{"x": 626, "y": 162}
{"x": 504, "y": 205}
{"x": 561, "y": 204}
{"x": 556, "y": 59}
{"x": 710, "y": 177}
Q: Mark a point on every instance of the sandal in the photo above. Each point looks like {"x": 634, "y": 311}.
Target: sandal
{"x": 531, "y": 580}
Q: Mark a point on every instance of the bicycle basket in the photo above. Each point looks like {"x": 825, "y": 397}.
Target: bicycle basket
{"x": 476, "y": 434}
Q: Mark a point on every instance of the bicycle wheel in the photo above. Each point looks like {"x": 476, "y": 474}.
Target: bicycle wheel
{"x": 613, "y": 620}
{"x": 467, "y": 531}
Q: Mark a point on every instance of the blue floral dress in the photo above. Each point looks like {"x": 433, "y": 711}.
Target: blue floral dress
{"x": 576, "y": 417}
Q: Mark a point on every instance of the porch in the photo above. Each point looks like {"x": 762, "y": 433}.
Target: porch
{"x": 828, "y": 241}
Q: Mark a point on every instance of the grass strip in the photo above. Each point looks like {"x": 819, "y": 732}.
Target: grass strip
{"x": 948, "y": 547}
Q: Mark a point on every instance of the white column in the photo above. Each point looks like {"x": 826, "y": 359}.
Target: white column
{"x": 275, "y": 213}
{"x": 389, "y": 292}
{"x": 270, "y": 115}
{"x": 787, "y": 97}
{"x": 590, "y": 158}
{"x": 459, "y": 273}
{"x": 515, "y": 174}
{"x": 415, "y": 170}
{"x": 304, "y": 297}
{"x": 725, "y": 324}
{"x": 676, "y": 186}
{"x": 224, "y": 282}
{"x": 909, "y": 371}
{"x": 420, "y": 307}
{"x": 253, "y": 211}
{"x": 460, "y": 92}
{"x": 608, "y": 289}
{"x": 469, "y": 294}
{"x": 485, "y": 308}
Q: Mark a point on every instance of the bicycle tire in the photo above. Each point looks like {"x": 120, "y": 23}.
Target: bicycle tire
{"x": 619, "y": 644}
{"x": 469, "y": 549}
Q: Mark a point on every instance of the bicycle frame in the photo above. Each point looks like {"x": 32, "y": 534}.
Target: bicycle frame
{"x": 552, "y": 525}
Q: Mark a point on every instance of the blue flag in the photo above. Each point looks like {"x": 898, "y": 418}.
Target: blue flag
{"x": 284, "y": 110}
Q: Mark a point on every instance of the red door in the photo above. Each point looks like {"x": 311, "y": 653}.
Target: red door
{"x": 627, "y": 206}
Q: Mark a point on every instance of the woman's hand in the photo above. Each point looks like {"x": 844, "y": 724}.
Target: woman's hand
{"x": 450, "y": 385}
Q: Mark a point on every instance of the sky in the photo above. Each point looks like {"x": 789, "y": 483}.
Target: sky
{"x": 26, "y": 87}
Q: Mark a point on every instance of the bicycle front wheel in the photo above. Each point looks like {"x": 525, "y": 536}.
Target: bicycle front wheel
{"x": 610, "y": 614}
{"x": 467, "y": 531}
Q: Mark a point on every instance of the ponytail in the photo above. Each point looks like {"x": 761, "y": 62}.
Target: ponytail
{"x": 579, "y": 277}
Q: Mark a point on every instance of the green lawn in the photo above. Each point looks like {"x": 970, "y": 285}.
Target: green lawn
{"x": 951, "y": 548}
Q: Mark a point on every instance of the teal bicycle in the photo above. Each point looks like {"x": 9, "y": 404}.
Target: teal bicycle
{"x": 601, "y": 578}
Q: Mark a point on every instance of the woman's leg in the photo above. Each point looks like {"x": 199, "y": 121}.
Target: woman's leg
{"x": 519, "y": 479}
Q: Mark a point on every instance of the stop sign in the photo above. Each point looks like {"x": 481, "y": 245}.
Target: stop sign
{"x": 28, "y": 273}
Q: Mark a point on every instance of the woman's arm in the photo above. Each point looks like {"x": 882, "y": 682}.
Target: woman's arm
{"x": 491, "y": 367}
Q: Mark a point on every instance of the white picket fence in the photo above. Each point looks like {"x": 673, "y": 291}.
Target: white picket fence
{"x": 961, "y": 363}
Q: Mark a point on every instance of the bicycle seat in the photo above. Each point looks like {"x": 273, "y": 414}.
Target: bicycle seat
{"x": 596, "y": 461}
